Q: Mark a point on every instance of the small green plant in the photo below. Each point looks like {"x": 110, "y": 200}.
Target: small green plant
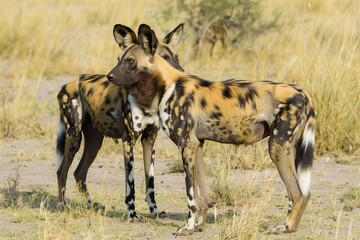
{"x": 13, "y": 180}
{"x": 223, "y": 190}
{"x": 176, "y": 166}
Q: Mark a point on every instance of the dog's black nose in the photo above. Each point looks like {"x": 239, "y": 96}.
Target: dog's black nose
{"x": 110, "y": 77}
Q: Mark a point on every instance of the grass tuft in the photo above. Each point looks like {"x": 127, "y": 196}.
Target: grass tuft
{"x": 351, "y": 198}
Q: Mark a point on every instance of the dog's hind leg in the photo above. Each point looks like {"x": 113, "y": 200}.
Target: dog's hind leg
{"x": 201, "y": 189}
{"x": 291, "y": 147}
{"x": 92, "y": 143}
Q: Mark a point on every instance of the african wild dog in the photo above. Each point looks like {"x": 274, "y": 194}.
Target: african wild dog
{"x": 93, "y": 107}
{"x": 218, "y": 31}
{"x": 192, "y": 110}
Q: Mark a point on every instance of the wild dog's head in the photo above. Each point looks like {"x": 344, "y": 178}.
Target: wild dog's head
{"x": 138, "y": 53}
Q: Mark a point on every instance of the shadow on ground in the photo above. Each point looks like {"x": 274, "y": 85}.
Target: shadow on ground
{"x": 32, "y": 199}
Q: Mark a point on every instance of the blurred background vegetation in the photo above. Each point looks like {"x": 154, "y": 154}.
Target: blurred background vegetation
{"x": 314, "y": 43}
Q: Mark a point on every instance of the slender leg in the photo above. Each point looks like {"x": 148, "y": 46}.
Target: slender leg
{"x": 148, "y": 139}
{"x": 72, "y": 144}
{"x": 201, "y": 190}
{"x": 93, "y": 141}
{"x": 283, "y": 148}
{"x": 129, "y": 181}
{"x": 188, "y": 155}
{"x": 68, "y": 143}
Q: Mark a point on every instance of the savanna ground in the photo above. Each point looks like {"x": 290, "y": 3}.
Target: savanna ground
{"x": 44, "y": 44}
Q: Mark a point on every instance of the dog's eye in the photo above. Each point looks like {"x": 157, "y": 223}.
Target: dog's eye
{"x": 166, "y": 57}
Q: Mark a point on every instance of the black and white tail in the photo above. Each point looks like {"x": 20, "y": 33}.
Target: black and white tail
{"x": 60, "y": 143}
{"x": 305, "y": 153}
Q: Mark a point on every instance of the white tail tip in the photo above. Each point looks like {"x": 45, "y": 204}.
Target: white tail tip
{"x": 304, "y": 179}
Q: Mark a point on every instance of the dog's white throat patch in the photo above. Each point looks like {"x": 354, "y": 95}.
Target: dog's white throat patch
{"x": 139, "y": 118}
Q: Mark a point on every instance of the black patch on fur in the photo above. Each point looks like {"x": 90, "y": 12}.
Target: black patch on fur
{"x": 91, "y": 77}
{"x": 60, "y": 142}
{"x": 205, "y": 83}
{"x": 202, "y": 82}
{"x": 61, "y": 93}
{"x": 90, "y": 92}
{"x": 298, "y": 100}
{"x": 242, "y": 101}
{"x": 179, "y": 87}
{"x": 73, "y": 149}
{"x": 189, "y": 100}
{"x": 282, "y": 126}
{"x": 226, "y": 92}
{"x": 151, "y": 183}
{"x": 216, "y": 115}
{"x": 203, "y": 103}
{"x": 304, "y": 156}
{"x": 251, "y": 94}
{"x": 105, "y": 84}
{"x": 311, "y": 113}
{"x": 107, "y": 100}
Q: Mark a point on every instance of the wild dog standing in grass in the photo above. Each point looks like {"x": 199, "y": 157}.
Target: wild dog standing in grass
{"x": 192, "y": 110}
{"x": 93, "y": 107}
{"x": 218, "y": 31}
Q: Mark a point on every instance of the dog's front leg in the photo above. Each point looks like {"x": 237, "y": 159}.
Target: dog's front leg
{"x": 188, "y": 156}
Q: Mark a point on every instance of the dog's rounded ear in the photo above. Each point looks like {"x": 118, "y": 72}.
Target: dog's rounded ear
{"x": 124, "y": 36}
{"x": 147, "y": 39}
{"x": 174, "y": 37}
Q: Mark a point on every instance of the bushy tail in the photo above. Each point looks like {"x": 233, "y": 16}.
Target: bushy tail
{"x": 60, "y": 143}
{"x": 305, "y": 152}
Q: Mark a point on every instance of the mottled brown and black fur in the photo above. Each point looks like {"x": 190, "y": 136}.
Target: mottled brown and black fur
{"x": 91, "y": 107}
{"x": 192, "y": 110}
